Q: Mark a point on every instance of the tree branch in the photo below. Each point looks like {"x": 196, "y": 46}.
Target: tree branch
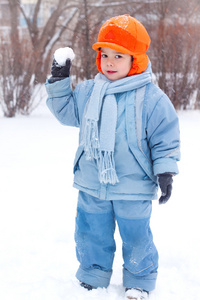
{"x": 28, "y": 21}
{"x": 124, "y": 3}
{"x": 58, "y": 34}
{"x": 35, "y": 16}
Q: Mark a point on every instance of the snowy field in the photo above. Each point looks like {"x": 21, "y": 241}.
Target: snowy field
{"x": 38, "y": 207}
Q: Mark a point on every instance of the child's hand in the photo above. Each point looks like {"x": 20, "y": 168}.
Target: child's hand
{"x": 61, "y": 65}
{"x": 60, "y": 72}
{"x": 165, "y": 182}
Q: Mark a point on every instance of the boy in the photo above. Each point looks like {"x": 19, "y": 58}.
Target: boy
{"x": 129, "y": 144}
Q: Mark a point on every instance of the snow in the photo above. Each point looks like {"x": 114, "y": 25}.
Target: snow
{"x": 38, "y": 208}
{"x": 62, "y": 54}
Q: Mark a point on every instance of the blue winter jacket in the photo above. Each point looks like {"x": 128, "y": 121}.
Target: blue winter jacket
{"x": 146, "y": 143}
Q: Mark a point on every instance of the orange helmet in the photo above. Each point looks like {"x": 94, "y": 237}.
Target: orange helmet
{"x": 127, "y": 35}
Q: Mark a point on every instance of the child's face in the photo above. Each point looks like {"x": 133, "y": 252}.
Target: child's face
{"x": 115, "y": 65}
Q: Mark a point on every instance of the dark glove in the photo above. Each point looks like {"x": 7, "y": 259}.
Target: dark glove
{"x": 60, "y": 72}
{"x": 165, "y": 182}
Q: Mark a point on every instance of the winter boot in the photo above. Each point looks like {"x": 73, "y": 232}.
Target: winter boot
{"x": 87, "y": 286}
{"x": 136, "y": 294}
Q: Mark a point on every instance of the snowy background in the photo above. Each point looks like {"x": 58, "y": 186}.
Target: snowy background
{"x": 38, "y": 207}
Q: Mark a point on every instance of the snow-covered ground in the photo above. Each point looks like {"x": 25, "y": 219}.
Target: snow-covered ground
{"x": 38, "y": 207}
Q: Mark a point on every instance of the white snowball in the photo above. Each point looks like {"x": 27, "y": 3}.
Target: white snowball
{"x": 62, "y": 54}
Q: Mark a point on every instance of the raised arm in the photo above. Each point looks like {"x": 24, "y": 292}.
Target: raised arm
{"x": 61, "y": 99}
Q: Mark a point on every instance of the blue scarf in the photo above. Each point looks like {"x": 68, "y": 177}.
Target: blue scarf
{"x": 100, "y": 121}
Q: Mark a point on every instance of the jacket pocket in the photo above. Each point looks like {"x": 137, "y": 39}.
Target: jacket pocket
{"x": 143, "y": 162}
{"x": 78, "y": 155}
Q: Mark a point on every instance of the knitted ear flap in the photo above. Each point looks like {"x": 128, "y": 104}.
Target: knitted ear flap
{"x": 140, "y": 63}
{"x": 98, "y": 61}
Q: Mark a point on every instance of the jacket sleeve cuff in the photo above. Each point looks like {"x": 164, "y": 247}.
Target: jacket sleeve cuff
{"x": 59, "y": 88}
{"x": 165, "y": 165}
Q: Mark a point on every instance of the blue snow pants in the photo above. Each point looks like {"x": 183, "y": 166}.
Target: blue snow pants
{"x": 95, "y": 244}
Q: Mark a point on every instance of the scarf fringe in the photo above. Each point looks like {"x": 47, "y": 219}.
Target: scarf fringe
{"x": 105, "y": 159}
{"x": 107, "y": 173}
{"x": 91, "y": 140}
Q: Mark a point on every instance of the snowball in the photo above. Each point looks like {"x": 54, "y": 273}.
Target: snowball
{"x": 62, "y": 54}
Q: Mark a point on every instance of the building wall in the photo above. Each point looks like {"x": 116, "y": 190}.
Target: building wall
{"x": 47, "y": 7}
{"x": 4, "y": 14}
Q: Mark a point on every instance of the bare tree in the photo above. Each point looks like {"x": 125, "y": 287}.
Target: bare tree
{"x": 43, "y": 41}
{"x": 28, "y": 53}
{"x": 174, "y": 61}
